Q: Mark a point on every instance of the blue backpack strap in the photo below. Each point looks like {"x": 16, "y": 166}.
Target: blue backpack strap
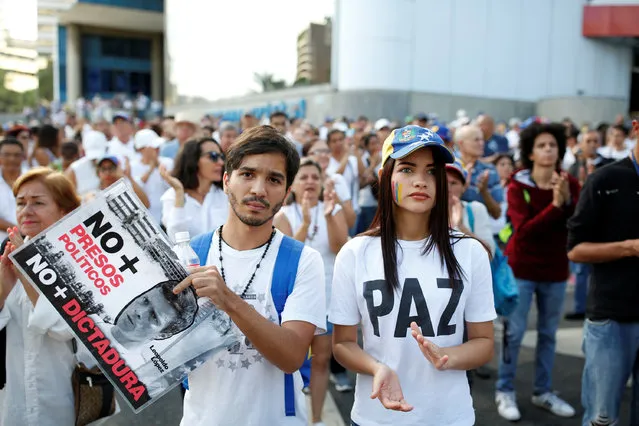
{"x": 471, "y": 217}
{"x": 284, "y": 274}
{"x": 201, "y": 245}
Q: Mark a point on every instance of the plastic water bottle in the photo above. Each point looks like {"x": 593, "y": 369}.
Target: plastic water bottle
{"x": 188, "y": 257}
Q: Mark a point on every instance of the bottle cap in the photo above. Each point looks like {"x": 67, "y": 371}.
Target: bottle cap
{"x": 181, "y": 237}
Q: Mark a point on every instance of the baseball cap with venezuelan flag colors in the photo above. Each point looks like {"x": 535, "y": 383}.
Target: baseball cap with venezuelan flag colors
{"x": 404, "y": 141}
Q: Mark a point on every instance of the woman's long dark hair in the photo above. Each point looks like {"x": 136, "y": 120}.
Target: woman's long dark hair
{"x": 438, "y": 223}
{"x": 186, "y": 163}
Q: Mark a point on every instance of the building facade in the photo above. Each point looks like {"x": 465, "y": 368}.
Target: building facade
{"x": 392, "y": 58}
{"x": 48, "y": 17}
{"x": 110, "y": 47}
{"x": 314, "y": 53}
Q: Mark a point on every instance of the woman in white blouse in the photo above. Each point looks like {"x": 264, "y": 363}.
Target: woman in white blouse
{"x": 196, "y": 201}
{"x": 318, "y": 222}
{"x": 39, "y": 360}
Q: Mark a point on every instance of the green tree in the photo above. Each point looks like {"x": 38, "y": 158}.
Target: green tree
{"x": 13, "y": 102}
{"x": 267, "y": 82}
{"x": 45, "y": 82}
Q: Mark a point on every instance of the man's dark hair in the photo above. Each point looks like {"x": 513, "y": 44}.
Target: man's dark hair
{"x": 278, "y": 114}
{"x": 263, "y": 140}
{"x": 69, "y": 150}
{"x": 48, "y": 137}
{"x": 11, "y": 141}
{"x": 187, "y": 163}
{"x": 334, "y": 132}
{"x": 621, "y": 128}
{"x": 530, "y": 133}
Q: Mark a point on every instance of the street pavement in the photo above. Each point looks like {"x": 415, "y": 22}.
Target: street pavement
{"x": 566, "y": 376}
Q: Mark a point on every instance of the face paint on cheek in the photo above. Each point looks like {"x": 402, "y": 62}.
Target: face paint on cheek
{"x": 397, "y": 192}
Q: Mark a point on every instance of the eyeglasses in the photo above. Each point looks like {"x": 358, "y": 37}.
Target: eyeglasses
{"x": 108, "y": 169}
{"x": 324, "y": 151}
{"x": 214, "y": 156}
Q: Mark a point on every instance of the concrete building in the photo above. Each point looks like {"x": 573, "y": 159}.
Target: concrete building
{"x": 109, "y": 47}
{"x": 48, "y": 17}
{"x": 314, "y": 53}
{"x": 392, "y": 58}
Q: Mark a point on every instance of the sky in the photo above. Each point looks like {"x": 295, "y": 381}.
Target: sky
{"x": 21, "y": 18}
{"x": 215, "y": 51}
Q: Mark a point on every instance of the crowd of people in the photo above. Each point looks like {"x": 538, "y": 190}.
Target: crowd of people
{"x": 399, "y": 223}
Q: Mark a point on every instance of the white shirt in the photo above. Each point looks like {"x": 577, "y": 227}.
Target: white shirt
{"x": 122, "y": 150}
{"x": 350, "y": 175}
{"x": 155, "y": 186}
{"x": 39, "y": 363}
{"x": 319, "y": 241}
{"x": 341, "y": 188}
{"x": 439, "y": 397}
{"x": 610, "y": 152}
{"x": 194, "y": 217}
{"x": 8, "y": 203}
{"x": 86, "y": 176}
{"x": 483, "y": 226}
{"x": 239, "y": 386}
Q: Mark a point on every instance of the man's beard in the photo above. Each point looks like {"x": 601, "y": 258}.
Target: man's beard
{"x": 253, "y": 221}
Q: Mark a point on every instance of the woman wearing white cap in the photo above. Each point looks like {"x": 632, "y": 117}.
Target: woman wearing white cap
{"x": 413, "y": 284}
{"x": 146, "y": 169}
{"x": 83, "y": 172}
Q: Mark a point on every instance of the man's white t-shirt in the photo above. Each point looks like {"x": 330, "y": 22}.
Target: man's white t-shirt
{"x": 239, "y": 386}
{"x": 360, "y": 296}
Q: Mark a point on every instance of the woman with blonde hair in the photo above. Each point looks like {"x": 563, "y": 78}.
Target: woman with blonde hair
{"x": 39, "y": 358}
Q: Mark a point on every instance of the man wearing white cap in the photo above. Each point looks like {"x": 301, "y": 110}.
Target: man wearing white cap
{"x": 83, "y": 172}
{"x": 383, "y": 129}
{"x": 184, "y": 131}
{"x": 145, "y": 169}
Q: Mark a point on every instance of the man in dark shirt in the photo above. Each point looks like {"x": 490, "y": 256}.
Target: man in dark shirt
{"x": 588, "y": 160}
{"x": 604, "y": 232}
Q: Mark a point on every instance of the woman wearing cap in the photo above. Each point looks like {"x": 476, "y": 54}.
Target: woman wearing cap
{"x": 83, "y": 173}
{"x": 39, "y": 356}
{"x": 470, "y": 218}
{"x": 196, "y": 201}
{"x": 412, "y": 305}
{"x": 109, "y": 172}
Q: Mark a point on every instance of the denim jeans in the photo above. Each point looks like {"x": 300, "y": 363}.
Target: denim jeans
{"x": 364, "y": 219}
{"x": 582, "y": 275}
{"x": 611, "y": 350}
{"x": 550, "y": 301}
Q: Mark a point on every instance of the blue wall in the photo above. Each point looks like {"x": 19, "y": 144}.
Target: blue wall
{"x": 110, "y": 65}
{"x": 151, "y": 5}
{"x": 113, "y": 65}
{"x": 62, "y": 62}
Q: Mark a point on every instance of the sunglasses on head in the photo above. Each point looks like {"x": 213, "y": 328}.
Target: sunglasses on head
{"x": 214, "y": 156}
